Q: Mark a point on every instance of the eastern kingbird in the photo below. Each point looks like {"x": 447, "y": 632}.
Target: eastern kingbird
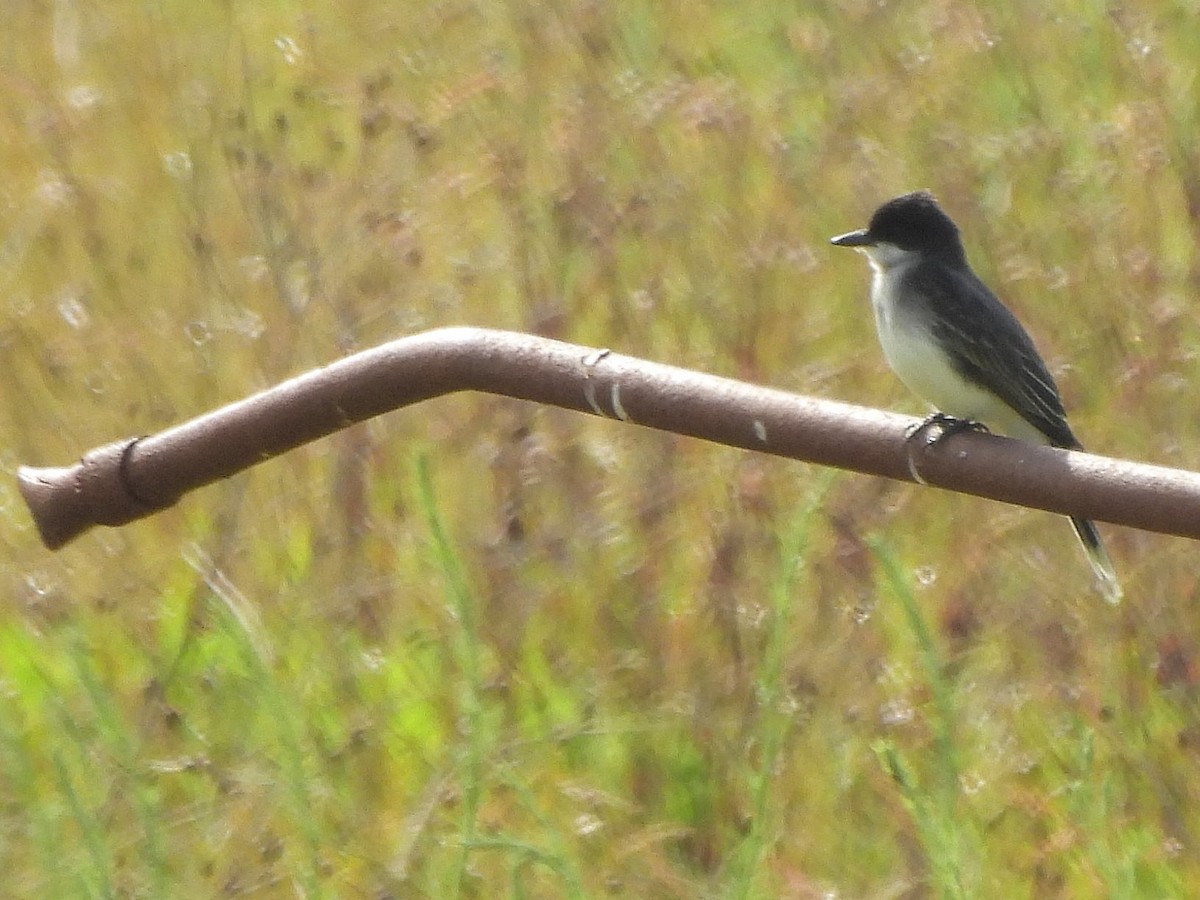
{"x": 955, "y": 345}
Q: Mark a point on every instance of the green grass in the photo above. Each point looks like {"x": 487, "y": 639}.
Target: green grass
{"x": 482, "y": 649}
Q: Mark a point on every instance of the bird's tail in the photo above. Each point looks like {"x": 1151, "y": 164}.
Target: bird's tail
{"x": 1106, "y": 575}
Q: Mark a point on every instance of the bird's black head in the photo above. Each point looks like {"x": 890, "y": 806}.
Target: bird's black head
{"x": 911, "y": 222}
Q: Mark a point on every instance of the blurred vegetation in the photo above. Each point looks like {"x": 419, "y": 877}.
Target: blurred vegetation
{"x": 481, "y": 649}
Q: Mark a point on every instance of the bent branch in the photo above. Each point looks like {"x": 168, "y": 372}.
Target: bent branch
{"x": 130, "y": 479}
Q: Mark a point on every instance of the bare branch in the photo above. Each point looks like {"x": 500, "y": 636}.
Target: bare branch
{"x": 130, "y": 479}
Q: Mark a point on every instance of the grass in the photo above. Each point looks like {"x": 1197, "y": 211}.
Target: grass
{"x": 482, "y": 649}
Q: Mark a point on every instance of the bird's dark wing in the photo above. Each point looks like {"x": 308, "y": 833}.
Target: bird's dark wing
{"x": 990, "y": 347}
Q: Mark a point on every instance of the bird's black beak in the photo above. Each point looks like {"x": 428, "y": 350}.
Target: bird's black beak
{"x": 860, "y": 238}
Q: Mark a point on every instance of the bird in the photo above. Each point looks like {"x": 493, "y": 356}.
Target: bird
{"x": 955, "y": 345}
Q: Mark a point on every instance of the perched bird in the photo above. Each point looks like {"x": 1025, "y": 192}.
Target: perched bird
{"x": 955, "y": 345}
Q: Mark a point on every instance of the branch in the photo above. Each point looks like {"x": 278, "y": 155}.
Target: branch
{"x": 133, "y": 478}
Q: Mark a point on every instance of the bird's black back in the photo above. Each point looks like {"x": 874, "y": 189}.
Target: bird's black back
{"x": 989, "y": 346}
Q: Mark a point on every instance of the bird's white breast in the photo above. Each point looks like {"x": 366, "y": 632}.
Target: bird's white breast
{"x": 914, "y": 355}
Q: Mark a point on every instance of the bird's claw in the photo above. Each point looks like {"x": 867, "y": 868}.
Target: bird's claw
{"x": 946, "y": 426}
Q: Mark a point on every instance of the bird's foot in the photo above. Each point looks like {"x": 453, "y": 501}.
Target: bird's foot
{"x": 938, "y": 425}
{"x": 934, "y": 428}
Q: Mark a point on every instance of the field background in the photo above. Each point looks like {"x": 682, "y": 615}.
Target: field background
{"x": 482, "y": 649}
